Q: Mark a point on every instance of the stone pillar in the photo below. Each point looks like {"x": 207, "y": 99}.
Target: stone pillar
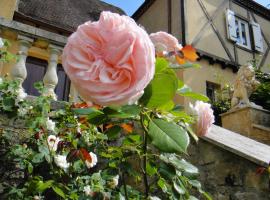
{"x": 50, "y": 79}
{"x": 19, "y": 71}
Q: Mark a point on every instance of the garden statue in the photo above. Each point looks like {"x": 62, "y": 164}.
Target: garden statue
{"x": 244, "y": 85}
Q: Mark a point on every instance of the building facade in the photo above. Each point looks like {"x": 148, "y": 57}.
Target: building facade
{"x": 38, "y": 31}
{"x": 225, "y": 33}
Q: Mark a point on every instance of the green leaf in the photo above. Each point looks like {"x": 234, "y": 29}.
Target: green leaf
{"x": 186, "y": 91}
{"x": 196, "y": 96}
{"x": 162, "y": 184}
{"x": 30, "y": 168}
{"x": 168, "y": 137}
{"x": 131, "y": 109}
{"x": 38, "y": 158}
{"x": 59, "y": 191}
{"x": 195, "y": 183}
{"x": 86, "y": 111}
{"x": 97, "y": 117}
{"x": 161, "y": 90}
{"x": 179, "y": 164}
{"x": 113, "y": 133}
{"x": 42, "y": 186}
{"x": 185, "y": 66}
{"x": 150, "y": 170}
{"x": 161, "y": 64}
{"x": 192, "y": 198}
{"x": 8, "y": 103}
{"x": 112, "y": 112}
{"x": 168, "y": 106}
{"x": 178, "y": 187}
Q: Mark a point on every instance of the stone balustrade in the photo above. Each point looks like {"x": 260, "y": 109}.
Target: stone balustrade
{"x": 19, "y": 71}
{"x": 50, "y": 79}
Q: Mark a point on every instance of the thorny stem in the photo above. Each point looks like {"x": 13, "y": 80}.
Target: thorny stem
{"x": 125, "y": 185}
{"x": 145, "y": 157}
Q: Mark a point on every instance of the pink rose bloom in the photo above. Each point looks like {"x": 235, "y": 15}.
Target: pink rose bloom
{"x": 165, "y": 42}
{"x": 205, "y": 117}
{"x": 110, "y": 61}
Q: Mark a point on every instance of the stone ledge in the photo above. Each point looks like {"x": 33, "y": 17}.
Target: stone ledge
{"x": 32, "y": 31}
{"x": 240, "y": 145}
{"x": 244, "y": 108}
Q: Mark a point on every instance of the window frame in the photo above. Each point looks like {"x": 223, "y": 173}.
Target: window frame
{"x": 238, "y": 21}
{"x": 215, "y": 87}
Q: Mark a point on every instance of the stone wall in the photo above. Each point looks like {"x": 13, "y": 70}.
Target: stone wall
{"x": 227, "y": 176}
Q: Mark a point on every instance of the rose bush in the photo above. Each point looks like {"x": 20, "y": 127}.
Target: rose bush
{"x": 110, "y": 61}
{"x": 114, "y": 151}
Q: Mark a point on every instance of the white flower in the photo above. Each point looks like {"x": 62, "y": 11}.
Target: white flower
{"x": 53, "y": 142}
{"x": 1, "y": 43}
{"x": 93, "y": 160}
{"x": 154, "y": 198}
{"x": 1, "y": 81}
{"x": 36, "y": 197}
{"x": 22, "y": 111}
{"x": 88, "y": 191}
{"x": 21, "y": 95}
{"x": 61, "y": 161}
{"x": 50, "y": 124}
{"x": 204, "y": 117}
{"x": 115, "y": 181}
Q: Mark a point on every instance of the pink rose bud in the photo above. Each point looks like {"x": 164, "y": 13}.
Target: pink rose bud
{"x": 165, "y": 42}
{"x": 110, "y": 61}
{"x": 204, "y": 117}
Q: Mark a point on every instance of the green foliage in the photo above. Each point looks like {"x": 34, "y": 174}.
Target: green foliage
{"x": 261, "y": 96}
{"x": 5, "y": 55}
{"x": 141, "y": 144}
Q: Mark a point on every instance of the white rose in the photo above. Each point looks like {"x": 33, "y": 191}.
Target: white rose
{"x": 154, "y": 198}
{"x": 50, "y": 124}
{"x": 53, "y": 142}
{"x": 22, "y": 111}
{"x": 61, "y": 161}
{"x": 88, "y": 191}
{"x": 115, "y": 181}
{"x": 1, "y": 43}
{"x": 93, "y": 160}
{"x": 21, "y": 95}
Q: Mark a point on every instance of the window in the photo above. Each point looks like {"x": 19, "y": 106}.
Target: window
{"x": 242, "y": 33}
{"x": 211, "y": 89}
{"x": 238, "y": 31}
{"x": 36, "y": 69}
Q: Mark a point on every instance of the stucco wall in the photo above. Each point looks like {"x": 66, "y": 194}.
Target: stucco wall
{"x": 196, "y": 78}
{"x": 208, "y": 40}
{"x": 7, "y": 8}
{"x": 156, "y": 17}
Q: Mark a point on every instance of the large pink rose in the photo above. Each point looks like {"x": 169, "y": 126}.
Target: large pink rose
{"x": 165, "y": 42}
{"x": 205, "y": 117}
{"x": 110, "y": 61}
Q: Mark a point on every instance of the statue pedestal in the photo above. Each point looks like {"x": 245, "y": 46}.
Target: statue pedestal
{"x": 252, "y": 122}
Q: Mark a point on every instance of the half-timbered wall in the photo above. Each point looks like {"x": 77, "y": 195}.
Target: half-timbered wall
{"x": 206, "y": 30}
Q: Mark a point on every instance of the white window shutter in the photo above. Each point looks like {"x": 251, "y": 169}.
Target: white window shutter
{"x": 231, "y": 26}
{"x": 257, "y": 36}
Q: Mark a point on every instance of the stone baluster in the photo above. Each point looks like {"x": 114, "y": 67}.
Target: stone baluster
{"x": 19, "y": 71}
{"x": 50, "y": 79}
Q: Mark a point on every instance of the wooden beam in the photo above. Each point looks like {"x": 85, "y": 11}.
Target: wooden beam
{"x": 216, "y": 31}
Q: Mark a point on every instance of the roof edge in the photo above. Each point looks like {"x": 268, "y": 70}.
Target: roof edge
{"x": 139, "y": 12}
{"x": 250, "y": 4}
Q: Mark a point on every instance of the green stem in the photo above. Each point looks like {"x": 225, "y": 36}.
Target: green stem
{"x": 146, "y": 185}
